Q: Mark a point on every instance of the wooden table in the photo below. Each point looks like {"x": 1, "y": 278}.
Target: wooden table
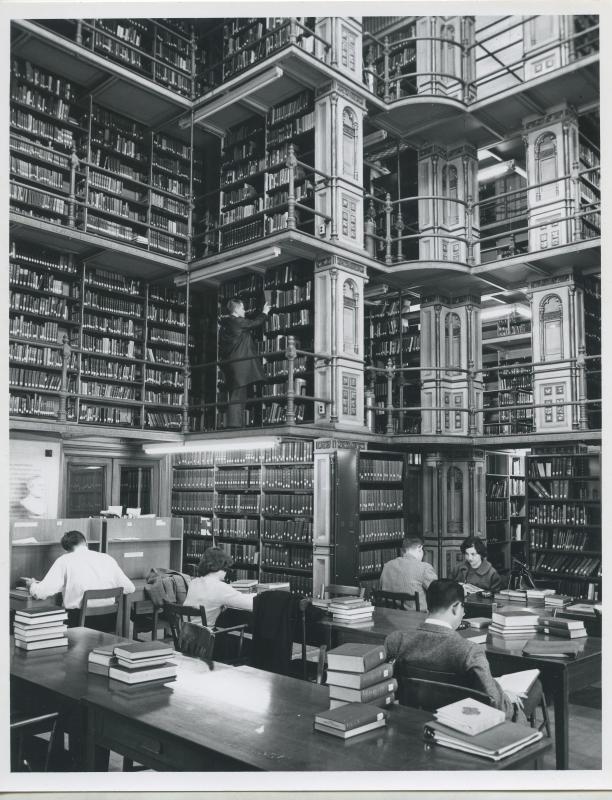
{"x": 559, "y": 676}
{"x": 248, "y": 719}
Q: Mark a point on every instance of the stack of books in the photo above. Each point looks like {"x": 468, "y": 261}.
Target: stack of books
{"x": 245, "y": 585}
{"x": 557, "y": 601}
{"x": 358, "y": 673}
{"x": 350, "y": 720}
{"x": 40, "y": 628}
{"x": 514, "y": 595}
{"x": 100, "y": 660}
{"x": 566, "y": 628}
{"x": 495, "y": 743}
{"x": 283, "y": 586}
{"x": 539, "y": 595}
{"x": 351, "y": 610}
{"x": 142, "y": 662}
{"x": 509, "y": 623}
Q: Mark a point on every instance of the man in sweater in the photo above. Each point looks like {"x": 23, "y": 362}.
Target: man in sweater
{"x": 240, "y": 362}
{"x": 78, "y": 570}
{"x": 408, "y": 573}
{"x": 436, "y": 646}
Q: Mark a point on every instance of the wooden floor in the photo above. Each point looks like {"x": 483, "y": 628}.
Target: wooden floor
{"x": 585, "y": 735}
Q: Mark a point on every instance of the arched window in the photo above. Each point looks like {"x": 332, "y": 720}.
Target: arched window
{"x": 454, "y": 500}
{"x": 546, "y": 161}
{"x": 452, "y": 340}
{"x": 551, "y": 328}
{"x": 449, "y": 192}
{"x": 350, "y": 327}
{"x": 349, "y": 144}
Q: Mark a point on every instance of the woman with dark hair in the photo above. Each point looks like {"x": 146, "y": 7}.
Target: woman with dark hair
{"x": 477, "y": 571}
{"x": 209, "y": 589}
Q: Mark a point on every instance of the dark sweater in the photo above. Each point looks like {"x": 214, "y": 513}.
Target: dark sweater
{"x": 485, "y": 576}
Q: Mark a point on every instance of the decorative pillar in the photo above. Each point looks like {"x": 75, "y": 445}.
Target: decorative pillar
{"x": 543, "y": 48}
{"x": 445, "y": 56}
{"x": 344, "y": 36}
{"x": 339, "y": 116}
{"x": 339, "y": 285}
{"x": 451, "y": 360}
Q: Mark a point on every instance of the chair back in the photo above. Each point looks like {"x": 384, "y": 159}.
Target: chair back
{"x": 336, "y": 590}
{"x": 196, "y": 640}
{"x": 430, "y": 689}
{"x": 175, "y": 615}
{"x": 395, "y": 599}
{"x": 113, "y": 596}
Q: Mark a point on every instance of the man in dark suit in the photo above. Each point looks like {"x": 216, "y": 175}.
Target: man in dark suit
{"x": 241, "y": 364}
{"x": 436, "y": 645}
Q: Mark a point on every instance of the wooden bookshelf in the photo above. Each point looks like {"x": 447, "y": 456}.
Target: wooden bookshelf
{"x": 256, "y": 505}
{"x": 505, "y": 508}
{"x": 564, "y": 518}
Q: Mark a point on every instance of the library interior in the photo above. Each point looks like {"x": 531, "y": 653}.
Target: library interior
{"x": 306, "y": 310}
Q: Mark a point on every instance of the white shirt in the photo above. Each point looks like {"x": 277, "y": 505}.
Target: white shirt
{"x": 76, "y": 572}
{"x": 441, "y": 622}
{"x": 212, "y": 593}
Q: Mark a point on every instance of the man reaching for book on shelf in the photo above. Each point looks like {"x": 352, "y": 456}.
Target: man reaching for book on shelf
{"x": 408, "y": 573}
{"x": 78, "y": 570}
{"x": 240, "y": 362}
{"x": 436, "y": 646}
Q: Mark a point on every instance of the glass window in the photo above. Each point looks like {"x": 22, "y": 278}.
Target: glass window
{"x": 135, "y": 488}
{"x": 86, "y": 490}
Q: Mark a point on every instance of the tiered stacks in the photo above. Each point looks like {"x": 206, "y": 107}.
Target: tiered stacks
{"x": 566, "y": 628}
{"x": 40, "y": 628}
{"x": 350, "y": 720}
{"x": 357, "y": 673}
{"x": 513, "y": 624}
{"x": 142, "y": 662}
{"x": 351, "y": 610}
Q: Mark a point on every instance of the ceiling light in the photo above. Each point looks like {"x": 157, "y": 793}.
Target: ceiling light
{"x": 224, "y": 268}
{"x": 488, "y": 174}
{"x": 212, "y": 445}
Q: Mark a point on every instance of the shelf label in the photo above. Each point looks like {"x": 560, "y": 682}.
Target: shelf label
{"x": 138, "y": 554}
{"x": 25, "y": 524}
{"x": 160, "y": 523}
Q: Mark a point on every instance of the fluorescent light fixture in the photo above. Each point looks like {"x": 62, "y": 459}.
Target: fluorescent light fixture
{"x": 374, "y": 138}
{"x": 237, "y": 94}
{"x": 505, "y": 310}
{"x": 212, "y": 445}
{"x": 488, "y": 174}
{"x": 483, "y": 154}
{"x": 224, "y": 268}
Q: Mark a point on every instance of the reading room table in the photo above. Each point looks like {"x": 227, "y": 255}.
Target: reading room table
{"x": 559, "y": 676}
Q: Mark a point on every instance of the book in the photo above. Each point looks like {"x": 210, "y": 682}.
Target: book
{"x": 584, "y": 608}
{"x": 564, "y": 633}
{"x": 352, "y": 715}
{"x": 41, "y": 611}
{"x": 350, "y": 733}
{"x": 518, "y": 682}
{"x": 473, "y": 635}
{"x": 352, "y": 611}
{"x": 562, "y": 623}
{"x": 360, "y": 680}
{"x": 28, "y": 636}
{"x": 477, "y": 622}
{"x": 552, "y": 649}
{"x": 354, "y": 657}
{"x": 496, "y": 743}
{"x": 383, "y": 701}
{"x": 98, "y": 669}
{"x": 469, "y": 588}
{"x": 142, "y": 674}
{"x": 355, "y": 618}
{"x": 469, "y": 716}
{"x": 42, "y": 645}
{"x": 143, "y": 662}
{"x": 138, "y": 650}
{"x": 365, "y": 695}
{"x": 514, "y": 619}
{"x": 348, "y": 602}
{"x": 40, "y": 619}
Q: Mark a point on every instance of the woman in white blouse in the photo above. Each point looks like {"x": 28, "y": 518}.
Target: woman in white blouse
{"x": 209, "y": 589}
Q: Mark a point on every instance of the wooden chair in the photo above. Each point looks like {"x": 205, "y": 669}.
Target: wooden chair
{"x": 178, "y": 616}
{"x": 308, "y": 654}
{"x": 175, "y": 615}
{"x": 22, "y": 724}
{"x": 431, "y": 689}
{"x": 112, "y": 607}
{"x": 395, "y": 599}
{"x": 336, "y": 590}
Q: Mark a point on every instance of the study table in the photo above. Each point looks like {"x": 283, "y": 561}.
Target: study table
{"x": 215, "y": 717}
{"x": 559, "y": 676}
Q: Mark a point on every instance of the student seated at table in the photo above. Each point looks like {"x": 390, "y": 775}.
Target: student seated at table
{"x": 78, "y": 570}
{"x": 408, "y": 573}
{"x": 210, "y": 591}
{"x": 477, "y": 571}
{"x": 436, "y": 645}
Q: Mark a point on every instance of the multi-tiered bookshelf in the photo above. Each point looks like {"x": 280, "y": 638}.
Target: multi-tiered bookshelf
{"x": 564, "y": 518}
{"x": 389, "y": 508}
{"x": 505, "y": 508}
{"x": 93, "y": 346}
{"x": 289, "y": 291}
{"x": 508, "y": 375}
{"x": 393, "y": 335}
{"x": 256, "y": 505}
{"x": 592, "y": 334}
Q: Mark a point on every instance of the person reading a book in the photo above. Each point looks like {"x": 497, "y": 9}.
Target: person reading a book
{"x": 241, "y": 365}
{"x": 436, "y": 646}
{"x": 209, "y": 589}
{"x": 408, "y": 573}
{"x": 78, "y": 570}
{"x": 477, "y": 573}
